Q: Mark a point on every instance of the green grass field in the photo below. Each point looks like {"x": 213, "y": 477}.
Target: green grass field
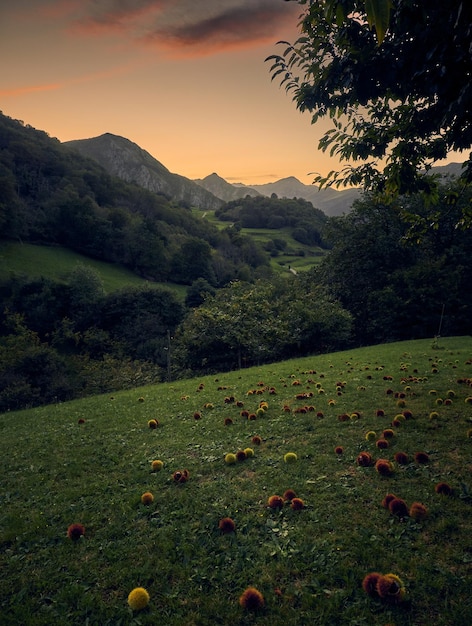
{"x": 89, "y": 462}
{"x": 291, "y": 258}
{"x": 56, "y": 262}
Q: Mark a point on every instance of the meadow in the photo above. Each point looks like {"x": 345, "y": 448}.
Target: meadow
{"x": 296, "y": 256}
{"x": 55, "y": 262}
{"x": 227, "y": 444}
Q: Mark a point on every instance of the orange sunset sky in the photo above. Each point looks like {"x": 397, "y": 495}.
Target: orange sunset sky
{"x": 184, "y": 79}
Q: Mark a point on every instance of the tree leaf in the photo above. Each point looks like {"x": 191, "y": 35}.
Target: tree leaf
{"x": 378, "y": 15}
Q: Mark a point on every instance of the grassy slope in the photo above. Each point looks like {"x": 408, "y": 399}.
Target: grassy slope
{"x": 283, "y": 261}
{"x": 56, "y": 262}
{"x": 309, "y": 564}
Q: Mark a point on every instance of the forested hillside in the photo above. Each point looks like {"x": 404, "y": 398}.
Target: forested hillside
{"x": 50, "y": 194}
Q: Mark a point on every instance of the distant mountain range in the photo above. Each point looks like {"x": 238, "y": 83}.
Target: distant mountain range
{"x": 125, "y": 159}
{"x": 330, "y": 201}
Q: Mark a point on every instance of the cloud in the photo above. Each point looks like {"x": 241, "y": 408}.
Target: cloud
{"x": 14, "y": 92}
{"x": 241, "y": 25}
{"x": 116, "y": 16}
{"x": 189, "y": 27}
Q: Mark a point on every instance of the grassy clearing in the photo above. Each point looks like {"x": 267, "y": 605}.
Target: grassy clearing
{"x": 308, "y": 564}
{"x": 56, "y": 263}
{"x": 290, "y": 258}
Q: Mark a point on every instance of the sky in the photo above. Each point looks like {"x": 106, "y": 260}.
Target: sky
{"x": 186, "y": 80}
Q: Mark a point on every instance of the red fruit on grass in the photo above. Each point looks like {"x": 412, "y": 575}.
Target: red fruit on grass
{"x": 364, "y": 459}
{"x": 443, "y": 489}
{"x": 226, "y": 525}
{"x": 252, "y": 599}
{"x": 75, "y": 531}
{"x": 369, "y": 584}
{"x": 275, "y": 502}
{"x": 398, "y": 507}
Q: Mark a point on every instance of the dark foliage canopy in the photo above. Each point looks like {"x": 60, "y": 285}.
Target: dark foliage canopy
{"x": 394, "y": 76}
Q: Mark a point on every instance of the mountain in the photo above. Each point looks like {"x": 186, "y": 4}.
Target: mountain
{"x": 220, "y": 188}
{"x": 451, "y": 169}
{"x": 330, "y": 201}
{"x": 126, "y": 160}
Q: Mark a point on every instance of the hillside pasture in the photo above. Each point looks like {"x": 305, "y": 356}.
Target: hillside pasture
{"x": 303, "y": 424}
{"x": 298, "y": 256}
{"x": 56, "y": 262}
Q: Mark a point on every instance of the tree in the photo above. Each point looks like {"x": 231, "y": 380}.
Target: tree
{"x": 246, "y": 324}
{"x": 395, "y": 287}
{"x": 86, "y": 291}
{"x": 396, "y": 85}
{"x": 139, "y": 319}
{"x": 192, "y": 261}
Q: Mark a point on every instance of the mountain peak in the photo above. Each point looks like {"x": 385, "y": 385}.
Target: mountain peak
{"x": 125, "y": 159}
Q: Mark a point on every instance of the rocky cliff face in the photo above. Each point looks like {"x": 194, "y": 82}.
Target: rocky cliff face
{"x": 125, "y": 159}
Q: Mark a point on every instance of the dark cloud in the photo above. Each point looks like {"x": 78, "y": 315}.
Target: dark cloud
{"x": 115, "y": 15}
{"x": 222, "y": 26}
{"x": 191, "y": 26}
